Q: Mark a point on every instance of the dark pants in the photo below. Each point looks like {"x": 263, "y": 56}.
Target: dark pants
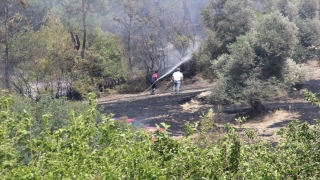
{"x": 154, "y": 86}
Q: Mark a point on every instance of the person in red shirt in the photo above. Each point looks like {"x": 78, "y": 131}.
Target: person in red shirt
{"x": 154, "y": 80}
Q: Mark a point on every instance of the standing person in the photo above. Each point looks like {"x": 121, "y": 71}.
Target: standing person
{"x": 177, "y": 78}
{"x": 154, "y": 80}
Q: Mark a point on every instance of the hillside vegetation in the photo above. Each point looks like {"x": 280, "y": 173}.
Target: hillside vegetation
{"x": 90, "y": 146}
{"x": 74, "y": 47}
{"x": 56, "y": 52}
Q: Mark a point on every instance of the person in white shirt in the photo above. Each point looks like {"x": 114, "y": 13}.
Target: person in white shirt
{"x": 177, "y": 78}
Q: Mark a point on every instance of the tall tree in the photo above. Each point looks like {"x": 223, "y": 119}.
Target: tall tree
{"x": 304, "y": 15}
{"x": 275, "y": 39}
{"x": 309, "y": 31}
{"x": 223, "y": 21}
{"x": 227, "y": 19}
{"x": 257, "y": 64}
{"x": 144, "y": 30}
{"x": 12, "y": 22}
{"x": 82, "y": 8}
{"x": 286, "y": 8}
{"x": 50, "y": 64}
{"x": 186, "y": 16}
{"x": 309, "y": 9}
{"x": 128, "y": 27}
{"x": 106, "y": 64}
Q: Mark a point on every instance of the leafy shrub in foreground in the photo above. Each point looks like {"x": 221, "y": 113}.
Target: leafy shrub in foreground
{"x": 84, "y": 149}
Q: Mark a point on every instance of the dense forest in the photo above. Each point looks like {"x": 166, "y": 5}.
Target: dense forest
{"x": 54, "y": 51}
{"x": 71, "y": 48}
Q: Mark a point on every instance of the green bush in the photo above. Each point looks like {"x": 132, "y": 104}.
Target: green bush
{"x": 81, "y": 88}
{"x": 59, "y": 109}
{"x": 85, "y": 149}
{"x": 132, "y": 87}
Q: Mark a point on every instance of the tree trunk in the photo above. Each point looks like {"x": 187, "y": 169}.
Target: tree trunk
{"x": 6, "y": 41}
{"x": 160, "y": 17}
{"x": 256, "y": 106}
{"x": 129, "y": 43}
{"x": 186, "y": 17}
{"x": 75, "y": 39}
{"x": 84, "y": 14}
{"x": 130, "y": 59}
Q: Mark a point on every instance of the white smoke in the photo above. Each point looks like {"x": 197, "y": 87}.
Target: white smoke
{"x": 175, "y": 59}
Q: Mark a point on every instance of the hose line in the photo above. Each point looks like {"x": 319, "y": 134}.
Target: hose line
{"x": 149, "y": 87}
{"x": 166, "y": 87}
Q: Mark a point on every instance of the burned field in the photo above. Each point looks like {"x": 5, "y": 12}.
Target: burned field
{"x": 176, "y": 110}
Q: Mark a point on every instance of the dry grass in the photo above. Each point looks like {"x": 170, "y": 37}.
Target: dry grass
{"x": 272, "y": 117}
{"x": 265, "y": 126}
{"x": 262, "y": 125}
{"x": 199, "y": 80}
{"x": 204, "y": 94}
{"x": 192, "y": 106}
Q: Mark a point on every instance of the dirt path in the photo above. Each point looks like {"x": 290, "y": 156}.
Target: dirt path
{"x": 176, "y": 110}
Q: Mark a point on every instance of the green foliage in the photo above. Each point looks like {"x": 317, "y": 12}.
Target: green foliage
{"x": 58, "y": 108}
{"x": 226, "y": 19}
{"x": 239, "y": 76}
{"x": 85, "y": 149}
{"x": 300, "y": 54}
{"x": 232, "y": 71}
{"x": 190, "y": 129}
{"x": 165, "y": 146}
{"x": 135, "y": 86}
{"x": 257, "y": 67}
{"x": 311, "y": 97}
{"x": 105, "y": 58}
{"x": 309, "y": 31}
{"x": 49, "y": 63}
{"x": 52, "y": 64}
{"x": 287, "y": 8}
{"x": 275, "y": 39}
{"x": 293, "y": 72}
{"x": 55, "y": 139}
{"x": 305, "y": 16}
{"x": 201, "y": 63}
{"x": 309, "y": 9}
{"x": 81, "y": 88}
